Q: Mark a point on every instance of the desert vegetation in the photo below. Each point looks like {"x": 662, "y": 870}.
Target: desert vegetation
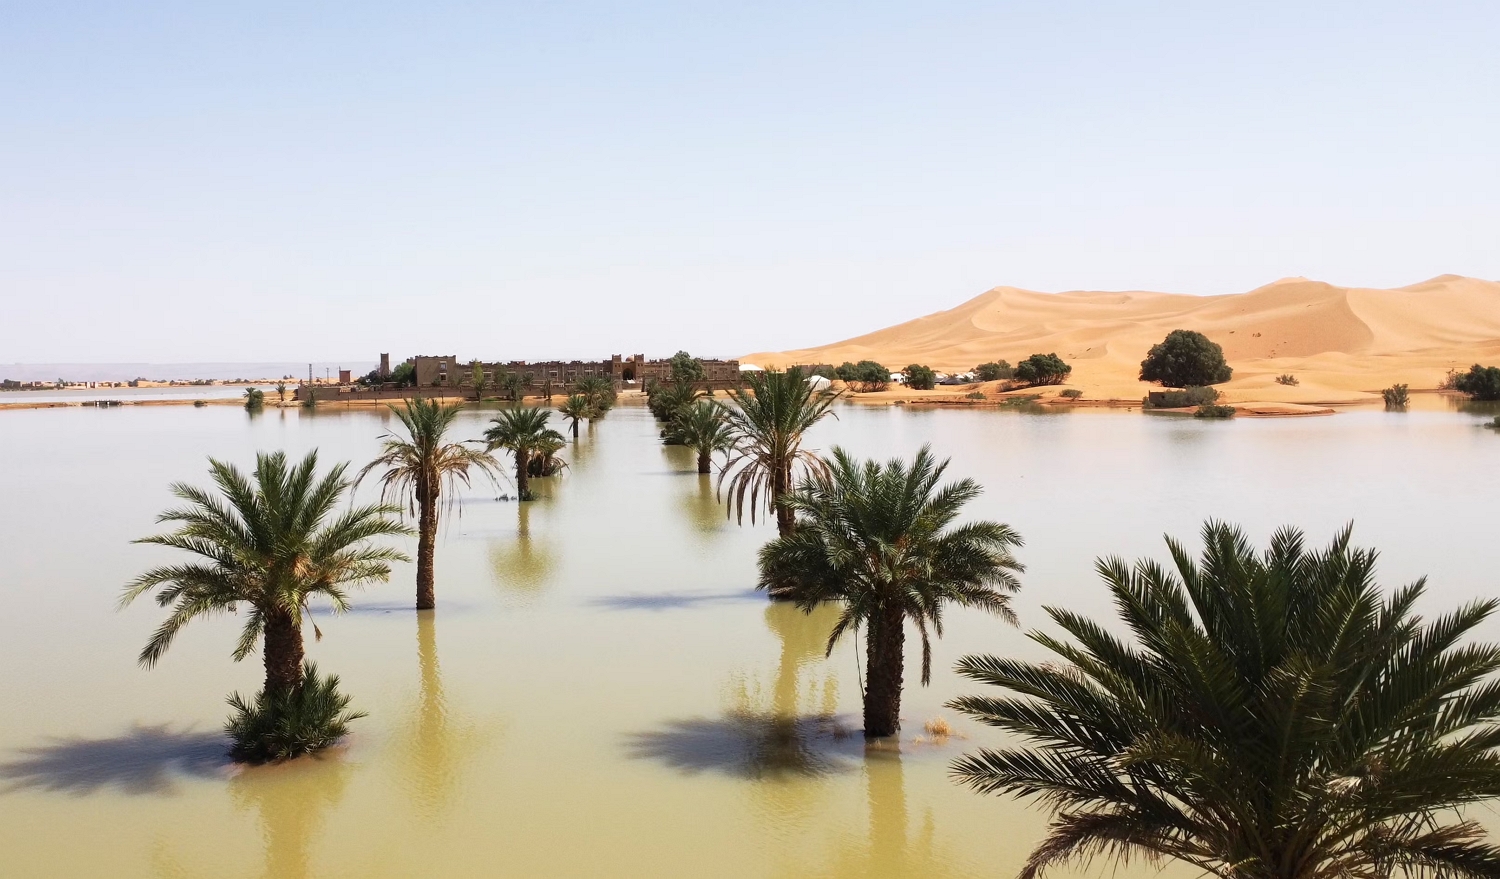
{"x": 523, "y": 431}
{"x": 1043, "y": 369}
{"x": 878, "y": 539}
{"x": 1185, "y": 359}
{"x": 1272, "y": 714}
{"x": 272, "y": 541}
{"x": 1396, "y": 398}
{"x": 1480, "y": 382}
{"x": 997, "y": 370}
{"x": 919, "y": 377}
{"x": 704, "y": 428}
{"x": 421, "y": 468}
{"x": 865, "y": 376}
{"x": 767, "y": 424}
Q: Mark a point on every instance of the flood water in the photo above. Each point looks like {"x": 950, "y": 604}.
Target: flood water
{"x": 600, "y": 691}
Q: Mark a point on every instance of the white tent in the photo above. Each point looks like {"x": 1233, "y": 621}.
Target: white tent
{"x": 750, "y": 367}
{"x": 818, "y": 382}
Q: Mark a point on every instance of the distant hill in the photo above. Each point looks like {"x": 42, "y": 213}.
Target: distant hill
{"x": 1339, "y": 341}
{"x": 117, "y": 372}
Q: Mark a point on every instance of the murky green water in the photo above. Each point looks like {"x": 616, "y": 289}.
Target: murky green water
{"x": 600, "y": 692}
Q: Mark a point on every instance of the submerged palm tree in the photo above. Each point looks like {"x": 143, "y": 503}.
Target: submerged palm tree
{"x": 1274, "y": 715}
{"x": 272, "y": 542}
{"x": 600, "y": 392}
{"x": 418, "y": 467}
{"x": 877, "y": 538}
{"x": 703, "y": 428}
{"x": 768, "y": 426}
{"x": 522, "y": 430}
{"x": 576, "y": 408}
{"x": 281, "y": 392}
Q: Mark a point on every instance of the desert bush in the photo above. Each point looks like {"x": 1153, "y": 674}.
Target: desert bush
{"x": 1043, "y": 369}
{"x": 1287, "y": 379}
{"x": 1395, "y": 397}
{"x": 1214, "y": 410}
{"x": 255, "y": 398}
{"x": 1181, "y": 399}
{"x": 866, "y": 375}
{"x": 919, "y": 377}
{"x": 1185, "y": 359}
{"x": 307, "y": 718}
{"x": 993, "y": 372}
{"x": 974, "y": 395}
{"x": 1071, "y": 393}
{"x": 1494, "y": 425}
{"x": 1480, "y": 382}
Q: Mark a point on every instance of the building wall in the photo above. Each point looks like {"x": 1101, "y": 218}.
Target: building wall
{"x": 449, "y": 372}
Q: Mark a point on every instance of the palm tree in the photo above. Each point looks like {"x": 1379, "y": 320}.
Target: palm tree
{"x": 600, "y": 392}
{"x": 1273, "y": 715}
{"x": 281, "y": 393}
{"x": 703, "y": 428}
{"x": 255, "y": 398}
{"x": 272, "y": 544}
{"x": 667, "y": 401}
{"x": 576, "y": 408}
{"x": 876, "y": 538}
{"x": 417, "y": 468}
{"x": 768, "y": 427}
{"x": 521, "y": 429}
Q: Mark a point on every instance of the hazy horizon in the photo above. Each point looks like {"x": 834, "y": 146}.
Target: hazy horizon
{"x": 207, "y": 184}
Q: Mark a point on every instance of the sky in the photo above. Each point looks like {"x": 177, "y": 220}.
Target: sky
{"x": 304, "y": 181}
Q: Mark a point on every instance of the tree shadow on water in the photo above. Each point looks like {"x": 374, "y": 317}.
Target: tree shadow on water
{"x": 146, "y": 761}
{"x": 750, "y": 745}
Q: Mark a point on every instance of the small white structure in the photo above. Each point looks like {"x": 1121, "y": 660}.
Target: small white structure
{"x": 818, "y": 383}
{"x": 750, "y": 367}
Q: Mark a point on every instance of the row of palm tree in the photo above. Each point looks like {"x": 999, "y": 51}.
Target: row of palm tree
{"x": 1272, "y": 714}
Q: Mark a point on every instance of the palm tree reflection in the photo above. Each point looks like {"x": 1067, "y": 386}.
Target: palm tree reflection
{"x": 292, "y": 800}
{"x": 523, "y": 566}
{"x": 701, "y": 507}
{"x": 438, "y": 742}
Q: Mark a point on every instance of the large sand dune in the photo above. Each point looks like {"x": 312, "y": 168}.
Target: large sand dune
{"x": 1342, "y": 343}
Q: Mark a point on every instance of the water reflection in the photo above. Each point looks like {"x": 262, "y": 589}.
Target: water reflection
{"x": 892, "y": 848}
{"x": 524, "y": 566}
{"x": 700, "y": 506}
{"x": 292, "y": 800}
{"x": 438, "y": 743}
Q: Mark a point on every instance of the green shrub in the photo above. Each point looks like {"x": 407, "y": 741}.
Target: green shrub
{"x": 1480, "y": 382}
{"x": 920, "y": 378}
{"x": 866, "y": 375}
{"x": 1185, "y": 359}
{"x": 1071, "y": 393}
{"x": 993, "y": 372}
{"x": 1214, "y": 410}
{"x": 1043, "y": 369}
{"x": 1287, "y": 379}
{"x": 255, "y": 398}
{"x": 974, "y": 395}
{"x": 309, "y": 718}
{"x": 1494, "y": 425}
{"x": 1395, "y": 397}
{"x": 1180, "y": 399}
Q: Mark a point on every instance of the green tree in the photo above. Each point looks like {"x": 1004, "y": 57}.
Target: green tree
{"x": 404, "y": 375}
{"x": 1185, "y": 359}
{"x": 880, "y": 540}
{"x": 419, "y": 467}
{"x": 866, "y": 375}
{"x": 768, "y": 424}
{"x": 1043, "y": 369}
{"x": 281, "y": 392}
{"x": 686, "y": 368}
{"x": 920, "y": 378}
{"x": 600, "y": 392}
{"x": 480, "y": 379}
{"x": 273, "y": 542}
{"x": 1480, "y": 382}
{"x": 704, "y": 428}
{"x": 522, "y": 430}
{"x": 255, "y": 399}
{"x": 666, "y": 402}
{"x": 991, "y": 372}
{"x": 1274, "y": 715}
{"x": 576, "y": 408}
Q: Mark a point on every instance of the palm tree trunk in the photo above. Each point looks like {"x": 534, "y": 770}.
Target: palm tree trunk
{"x": 883, "y": 670}
{"x": 283, "y": 651}
{"x": 427, "y": 523}
{"x": 575, "y": 428}
{"x": 523, "y": 486}
{"x": 705, "y": 461}
{"x": 781, "y": 484}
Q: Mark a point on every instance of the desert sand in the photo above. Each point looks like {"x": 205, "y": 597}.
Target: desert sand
{"x": 1342, "y": 343}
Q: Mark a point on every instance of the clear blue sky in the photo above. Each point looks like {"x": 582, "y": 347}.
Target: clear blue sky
{"x": 209, "y": 181}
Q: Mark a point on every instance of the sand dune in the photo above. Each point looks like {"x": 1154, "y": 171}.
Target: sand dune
{"x": 1342, "y": 343}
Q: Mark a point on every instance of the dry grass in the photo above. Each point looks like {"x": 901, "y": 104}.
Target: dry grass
{"x": 938, "y": 728}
